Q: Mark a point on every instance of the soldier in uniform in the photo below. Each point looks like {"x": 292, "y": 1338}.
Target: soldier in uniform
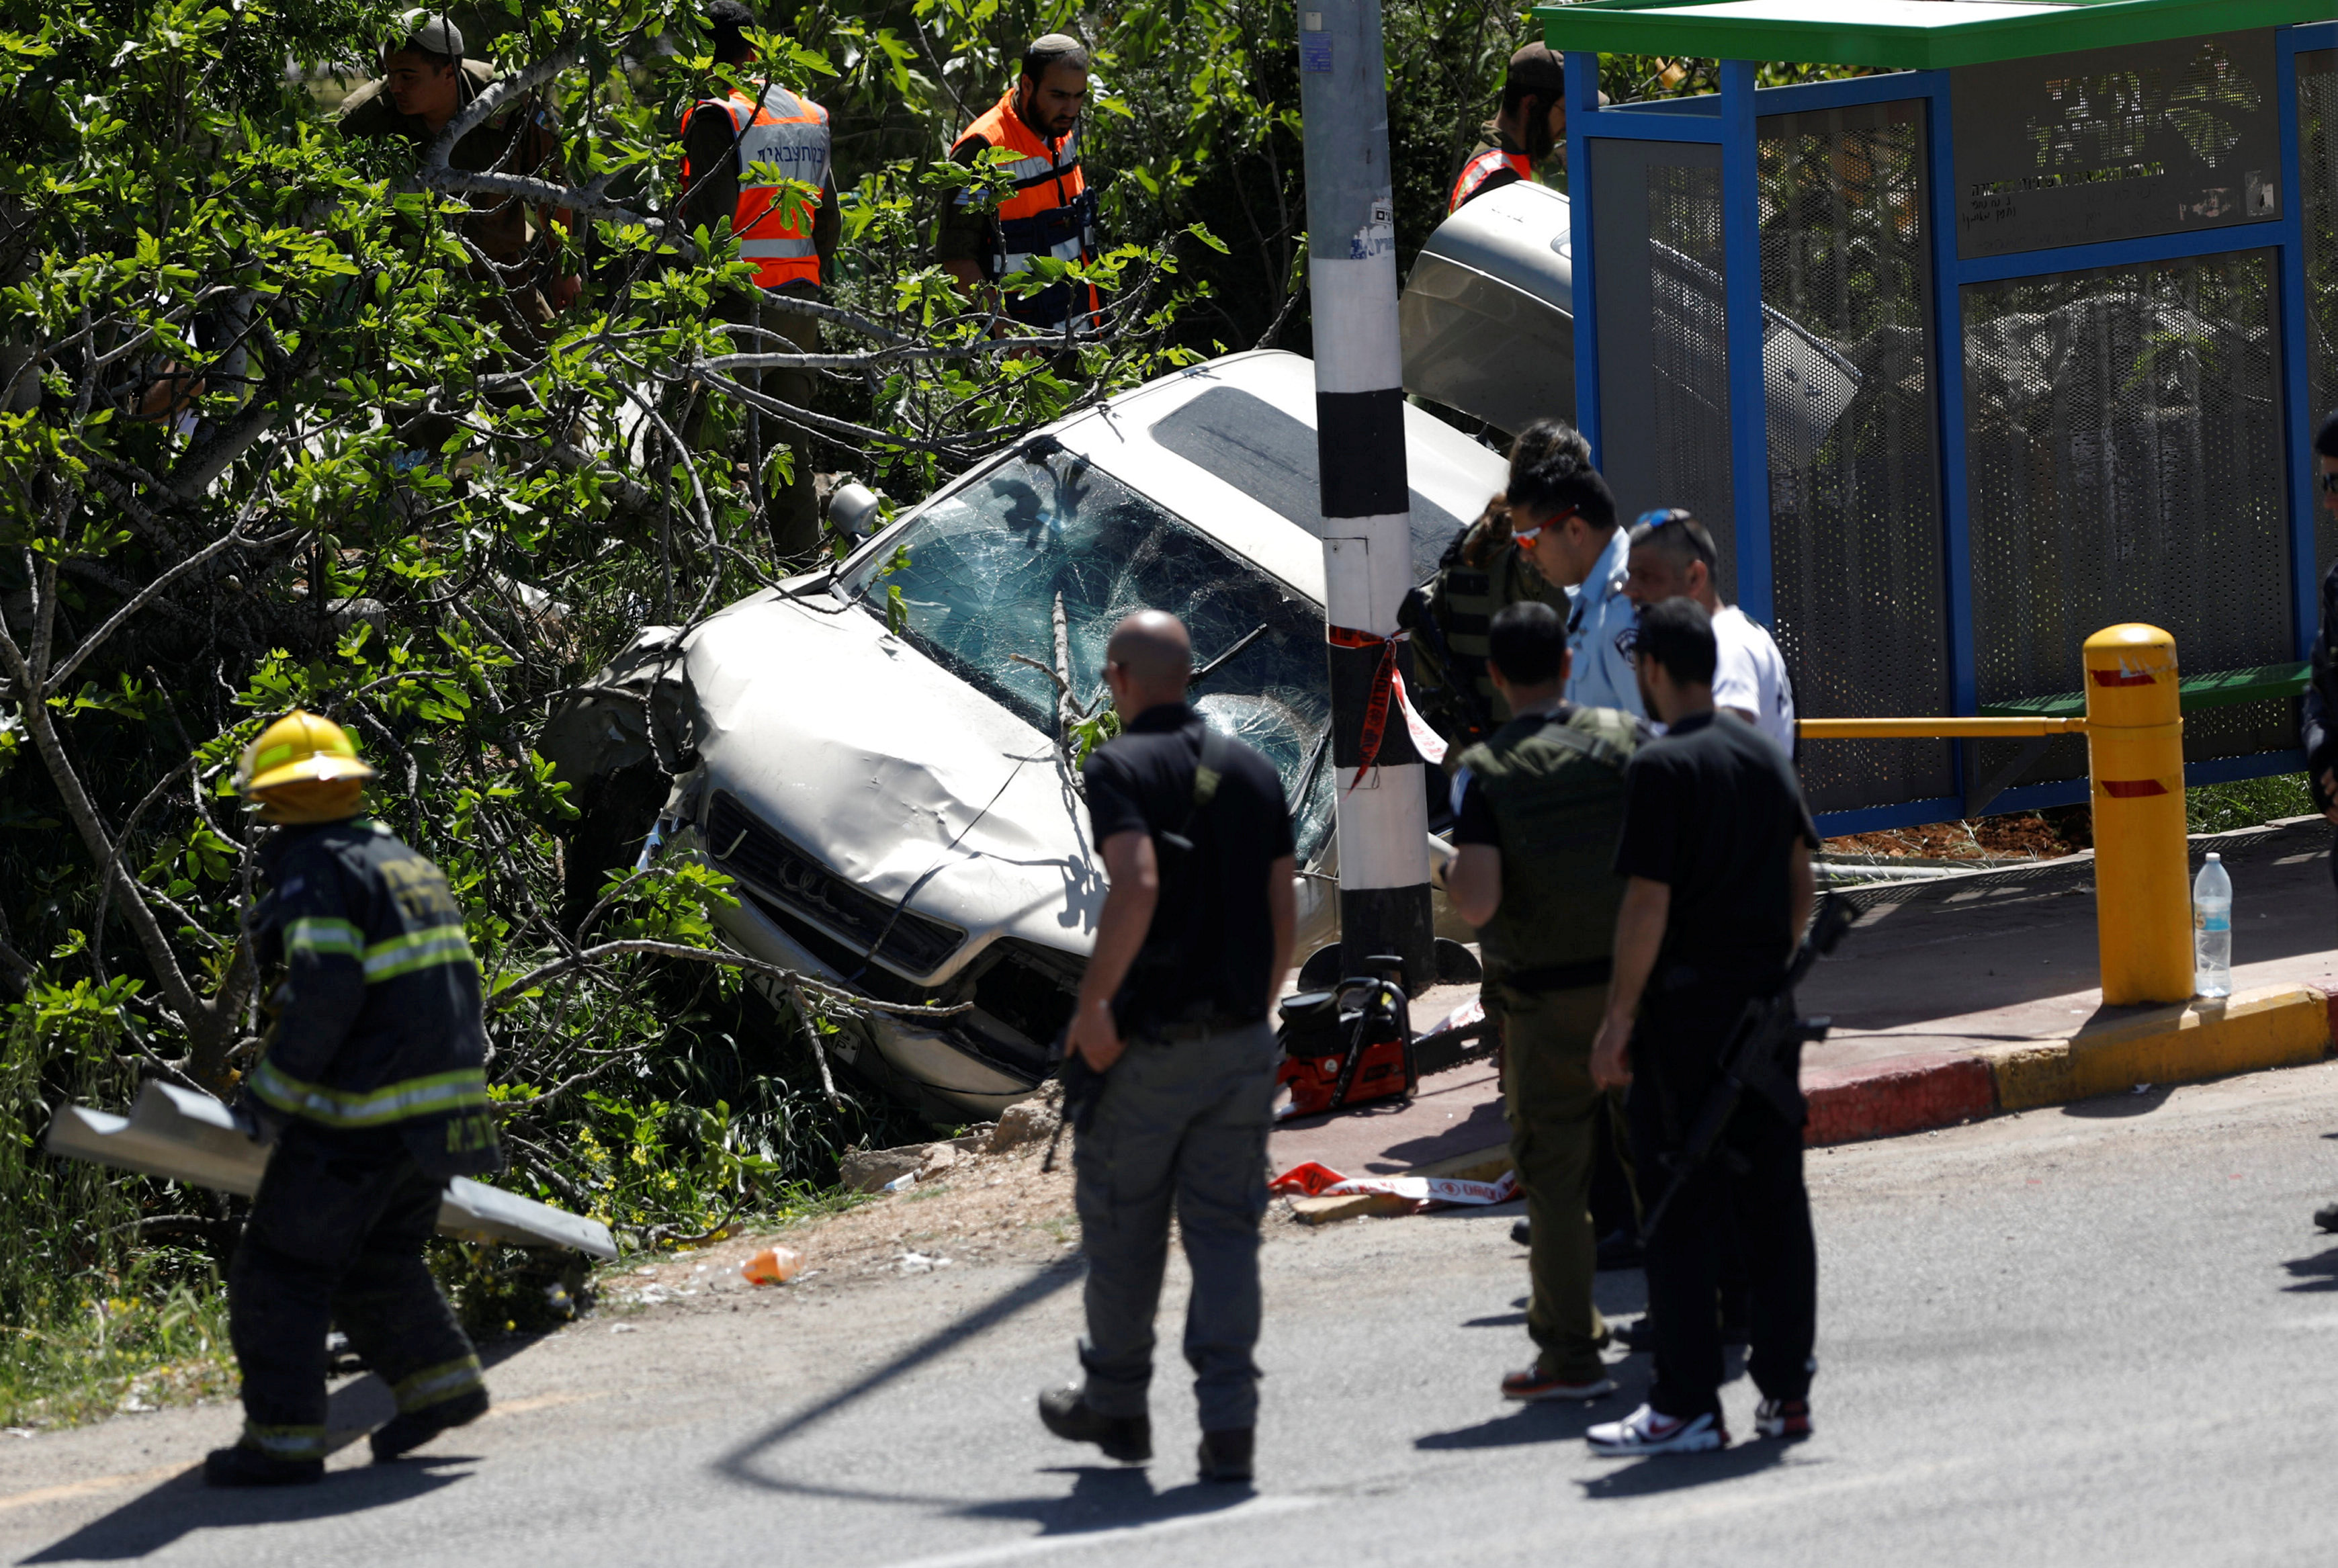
{"x": 370, "y": 1086}
{"x": 1484, "y": 570}
{"x": 426, "y": 81}
{"x": 1538, "y": 808}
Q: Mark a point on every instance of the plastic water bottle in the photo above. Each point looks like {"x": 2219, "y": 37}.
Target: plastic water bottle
{"x": 2212, "y": 930}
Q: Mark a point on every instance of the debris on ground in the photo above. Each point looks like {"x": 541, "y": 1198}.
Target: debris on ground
{"x": 772, "y": 1265}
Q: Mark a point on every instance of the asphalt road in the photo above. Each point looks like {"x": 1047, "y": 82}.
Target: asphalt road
{"x": 2100, "y": 1334}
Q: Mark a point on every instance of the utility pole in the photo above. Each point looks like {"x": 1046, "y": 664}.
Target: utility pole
{"x": 1383, "y": 817}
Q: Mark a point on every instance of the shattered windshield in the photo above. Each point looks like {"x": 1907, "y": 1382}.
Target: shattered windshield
{"x": 985, "y": 568}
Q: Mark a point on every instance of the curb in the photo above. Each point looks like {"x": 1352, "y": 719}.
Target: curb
{"x": 2247, "y": 1031}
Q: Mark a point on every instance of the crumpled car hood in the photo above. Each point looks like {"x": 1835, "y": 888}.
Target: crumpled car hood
{"x": 894, "y": 773}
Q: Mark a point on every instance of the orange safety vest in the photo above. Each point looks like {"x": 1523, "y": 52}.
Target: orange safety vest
{"x": 1051, "y": 212}
{"x": 1484, "y": 166}
{"x": 790, "y": 131}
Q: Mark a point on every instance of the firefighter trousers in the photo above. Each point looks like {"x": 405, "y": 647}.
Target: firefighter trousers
{"x": 335, "y": 1239}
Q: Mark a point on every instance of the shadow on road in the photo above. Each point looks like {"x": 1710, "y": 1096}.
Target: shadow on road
{"x": 2141, "y": 1101}
{"x": 148, "y": 1524}
{"x": 1542, "y": 1423}
{"x": 1675, "y": 1471}
{"x": 1116, "y": 1498}
{"x": 2319, "y": 1272}
{"x": 739, "y": 1464}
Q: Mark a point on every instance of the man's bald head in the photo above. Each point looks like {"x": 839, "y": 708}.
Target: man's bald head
{"x": 1148, "y": 661}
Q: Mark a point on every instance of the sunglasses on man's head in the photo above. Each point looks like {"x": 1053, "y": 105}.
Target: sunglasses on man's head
{"x": 1664, "y": 516}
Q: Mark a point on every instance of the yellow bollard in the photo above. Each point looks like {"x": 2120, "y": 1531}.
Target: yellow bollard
{"x": 2135, "y": 747}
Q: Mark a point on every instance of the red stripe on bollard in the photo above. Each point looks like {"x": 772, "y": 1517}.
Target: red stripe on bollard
{"x": 2123, "y": 677}
{"x": 2133, "y": 788}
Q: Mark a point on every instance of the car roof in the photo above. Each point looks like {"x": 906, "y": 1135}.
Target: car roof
{"x": 1228, "y": 445}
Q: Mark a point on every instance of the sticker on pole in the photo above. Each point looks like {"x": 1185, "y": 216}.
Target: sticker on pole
{"x": 1315, "y": 51}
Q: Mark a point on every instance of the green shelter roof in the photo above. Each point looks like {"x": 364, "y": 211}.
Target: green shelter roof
{"x": 1906, "y": 35}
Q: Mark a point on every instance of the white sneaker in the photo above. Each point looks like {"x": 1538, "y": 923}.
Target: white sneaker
{"x": 1645, "y": 1432}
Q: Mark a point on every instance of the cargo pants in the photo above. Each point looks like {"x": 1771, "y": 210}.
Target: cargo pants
{"x": 1180, "y": 1124}
{"x": 335, "y": 1239}
{"x": 1555, "y": 1113}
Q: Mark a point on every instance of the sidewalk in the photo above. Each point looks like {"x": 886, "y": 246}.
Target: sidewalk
{"x": 1958, "y": 998}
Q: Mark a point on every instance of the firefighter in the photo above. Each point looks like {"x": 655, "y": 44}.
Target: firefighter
{"x": 369, "y": 1086}
{"x": 1531, "y": 123}
{"x": 723, "y": 140}
{"x": 1051, "y": 210}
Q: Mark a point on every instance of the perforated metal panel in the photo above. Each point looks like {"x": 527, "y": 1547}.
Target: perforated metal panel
{"x": 1663, "y": 341}
{"x": 2124, "y": 457}
{"x": 1855, "y": 505}
{"x": 2317, "y": 125}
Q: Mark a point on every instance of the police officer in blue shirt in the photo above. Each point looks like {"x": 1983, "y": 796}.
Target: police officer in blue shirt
{"x": 1563, "y": 514}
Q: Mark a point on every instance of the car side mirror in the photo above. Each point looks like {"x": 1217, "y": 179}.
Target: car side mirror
{"x": 854, "y": 510}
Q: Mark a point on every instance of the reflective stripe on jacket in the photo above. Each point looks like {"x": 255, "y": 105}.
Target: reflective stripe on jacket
{"x": 1476, "y": 173}
{"x": 379, "y": 1016}
{"x": 1050, "y": 213}
{"x": 789, "y": 131}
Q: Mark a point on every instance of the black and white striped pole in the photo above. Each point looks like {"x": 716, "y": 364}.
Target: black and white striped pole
{"x": 1383, "y": 818}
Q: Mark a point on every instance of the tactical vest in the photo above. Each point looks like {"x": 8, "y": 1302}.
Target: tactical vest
{"x": 1465, "y": 600}
{"x": 1478, "y": 175}
{"x": 789, "y": 132}
{"x": 1052, "y": 212}
{"x": 1556, "y": 789}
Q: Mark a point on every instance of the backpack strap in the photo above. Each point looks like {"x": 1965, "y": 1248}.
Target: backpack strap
{"x": 1208, "y": 772}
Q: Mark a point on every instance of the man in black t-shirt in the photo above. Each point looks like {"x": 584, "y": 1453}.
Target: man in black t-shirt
{"x": 1717, "y": 847}
{"x": 1191, "y": 948}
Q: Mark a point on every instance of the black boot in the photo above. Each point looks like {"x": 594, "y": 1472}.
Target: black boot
{"x": 1225, "y": 1456}
{"x": 1521, "y": 1231}
{"x": 241, "y": 1466}
{"x": 1128, "y": 1438}
{"x": 2327, "y": 1216}
{"x": 410, "y": 1429}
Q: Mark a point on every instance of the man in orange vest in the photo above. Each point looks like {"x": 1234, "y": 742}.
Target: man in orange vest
{"x": 725, "y": 142}
{"x": 1051, "y": 211}
{"x": 1532, "y": 121}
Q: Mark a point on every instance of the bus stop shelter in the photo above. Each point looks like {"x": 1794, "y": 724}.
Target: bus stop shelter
{"x": 2039, "y": 311}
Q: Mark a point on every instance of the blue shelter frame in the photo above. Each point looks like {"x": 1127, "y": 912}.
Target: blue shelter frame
{"x": 1729, "y": 121}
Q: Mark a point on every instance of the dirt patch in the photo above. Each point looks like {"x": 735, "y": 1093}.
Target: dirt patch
{"x": 983, "y": 1208}
{"x": 2021, "y": 836}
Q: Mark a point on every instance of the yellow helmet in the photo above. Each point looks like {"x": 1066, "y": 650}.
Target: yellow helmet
{"x": 300, "y": 748}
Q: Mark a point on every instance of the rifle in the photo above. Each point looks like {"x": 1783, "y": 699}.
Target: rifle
{"x": 1768, "y": 1037}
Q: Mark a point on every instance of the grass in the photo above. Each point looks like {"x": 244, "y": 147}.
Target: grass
{"x": 2245, "y": 803}
{"x": 117, "y": 1353}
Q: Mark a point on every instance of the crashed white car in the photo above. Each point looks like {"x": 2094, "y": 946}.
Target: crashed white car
{"x": 898, "y": 807}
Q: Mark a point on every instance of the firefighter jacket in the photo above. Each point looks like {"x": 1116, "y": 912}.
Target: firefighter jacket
{"x": 1052, "y": 212}
{"x": 378, "y": 1021}
{"x": 789, "y": 132}
{"x": 1555, "y": 785}
{"x": 1454, "y": 691}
